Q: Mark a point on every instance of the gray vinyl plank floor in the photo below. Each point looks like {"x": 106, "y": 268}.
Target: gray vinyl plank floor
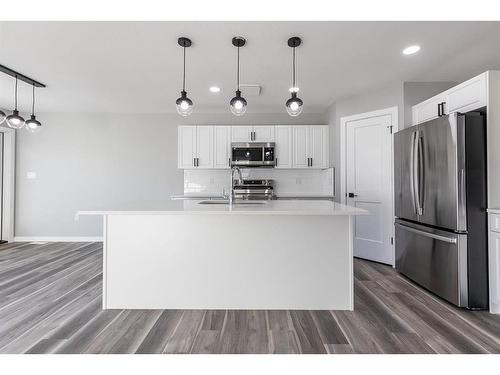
{"x": 50, "y": 302}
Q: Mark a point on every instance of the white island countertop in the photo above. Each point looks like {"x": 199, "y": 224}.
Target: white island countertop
{"x": 274, "y": 207}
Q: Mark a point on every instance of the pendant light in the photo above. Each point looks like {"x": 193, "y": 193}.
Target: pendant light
{"x": 2, "y": 116}
{"x": 33, "y": 125}
{"x": 184, "y": 105}
{"x": 238, "y": 104}
{"x": 294, "y": 105}
{"x": 14, "y": 120}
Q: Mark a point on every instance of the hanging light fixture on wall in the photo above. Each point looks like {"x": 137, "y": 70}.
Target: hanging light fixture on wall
{"x": 184, "y": 105}
{"x": 33, "y": 125}
{"x": 14, "y": 120}
{"x": 294, "y": 105}
{"x": 238, "y": 104}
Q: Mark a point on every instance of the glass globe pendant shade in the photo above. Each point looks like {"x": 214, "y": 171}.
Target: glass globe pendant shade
{"x": 15, "y": 121}
{"x": 184, "y": 105}
{"x": 33, "y": 125}
{"x": 2, "y": 116}
{"x": 238, "y": 104}
{"x": 294, "y": 105}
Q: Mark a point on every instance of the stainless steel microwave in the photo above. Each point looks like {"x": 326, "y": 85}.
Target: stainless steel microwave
{"x": 254, "y": 154}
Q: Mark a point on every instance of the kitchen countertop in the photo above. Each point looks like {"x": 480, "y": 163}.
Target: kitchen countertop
{"x": 278, "y": 196}
{"x": 273, "y": 207}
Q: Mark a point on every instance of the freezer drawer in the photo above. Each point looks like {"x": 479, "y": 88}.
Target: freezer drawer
{"x": 435, "y": 259}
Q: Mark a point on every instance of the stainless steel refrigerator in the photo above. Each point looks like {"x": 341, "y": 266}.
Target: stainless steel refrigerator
{"x": 440, "y": 205}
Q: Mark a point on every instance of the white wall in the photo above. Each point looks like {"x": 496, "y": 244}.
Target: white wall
{"x": 91, "y": 161}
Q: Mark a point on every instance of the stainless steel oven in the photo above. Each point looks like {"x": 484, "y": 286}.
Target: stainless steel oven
{"x": 253, "y": 154}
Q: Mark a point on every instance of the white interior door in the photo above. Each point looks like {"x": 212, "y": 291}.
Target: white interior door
{"x": 369, "y": 186}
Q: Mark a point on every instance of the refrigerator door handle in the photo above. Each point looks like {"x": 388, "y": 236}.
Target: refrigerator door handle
{"x": 421, "y": 172}
{"x": 427, "y": 234}
{"x": 413, "y": 174}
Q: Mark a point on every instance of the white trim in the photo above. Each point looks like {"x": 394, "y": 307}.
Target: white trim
{"x": 9, "y": 177}
{"x": 393, "y": 112}
{"x": 58, "y": 239}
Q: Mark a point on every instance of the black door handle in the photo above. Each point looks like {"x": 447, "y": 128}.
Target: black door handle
{"x": 352, "y": 195}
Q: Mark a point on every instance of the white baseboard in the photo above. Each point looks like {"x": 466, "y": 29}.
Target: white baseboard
{"x": 58, "y": 239}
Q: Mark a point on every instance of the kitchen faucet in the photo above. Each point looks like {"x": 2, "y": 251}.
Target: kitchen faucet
{"x": 231, "y": 186}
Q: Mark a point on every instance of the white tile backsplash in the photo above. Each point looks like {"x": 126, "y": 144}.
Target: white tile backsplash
{"x": 286, "y": 181}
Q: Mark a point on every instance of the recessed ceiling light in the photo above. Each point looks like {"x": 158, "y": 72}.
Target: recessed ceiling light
{"x": 411, "y": 50}
{"x": 214, "y": 89}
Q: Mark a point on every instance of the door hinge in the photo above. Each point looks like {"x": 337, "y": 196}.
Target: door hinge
{"x": 390, "y": 128}
{"x": 392, "y": 240}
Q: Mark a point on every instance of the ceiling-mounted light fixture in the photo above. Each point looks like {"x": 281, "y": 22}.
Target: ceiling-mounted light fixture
{"x": 14, "y": 120}
{"x": 238, "y": 104}
{"x": 184, "y": 105}
{"x": 294, "y": 105}
{"x": 33, "y": 125}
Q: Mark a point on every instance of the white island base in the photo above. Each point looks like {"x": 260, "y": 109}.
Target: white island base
{"x": 275, "y": 257}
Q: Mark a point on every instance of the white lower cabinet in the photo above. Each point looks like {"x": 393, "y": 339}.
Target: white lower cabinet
{"x": 494, "y": 263}
{"x": 284, "y": 146}
{"x": 310, "y": 146}
{"x": 222, "y": 147}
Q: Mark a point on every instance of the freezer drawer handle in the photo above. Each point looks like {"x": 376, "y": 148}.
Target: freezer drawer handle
{"x": 426, "y": 234}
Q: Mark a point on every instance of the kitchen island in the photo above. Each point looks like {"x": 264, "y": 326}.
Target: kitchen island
{"x": 192, "y": 255}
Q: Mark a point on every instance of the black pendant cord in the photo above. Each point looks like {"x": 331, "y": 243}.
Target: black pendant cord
{"x": 33, "y": 102}
{"x": 238, "y": 71}
{"x": 293, "y": 69}
{"x": 184, "y": 71}
{"x": 15, "y": 96}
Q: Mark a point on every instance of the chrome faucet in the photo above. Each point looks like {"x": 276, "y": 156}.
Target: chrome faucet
{"x": 231, "y": 186}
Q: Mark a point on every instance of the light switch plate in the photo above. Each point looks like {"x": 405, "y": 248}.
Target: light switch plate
{"x": 31, "y": 175}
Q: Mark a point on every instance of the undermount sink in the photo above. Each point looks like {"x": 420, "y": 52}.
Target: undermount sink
{"x": 225, "y": 201}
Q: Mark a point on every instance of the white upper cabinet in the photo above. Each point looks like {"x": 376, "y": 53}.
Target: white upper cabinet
{"x": 186, "y": 147}
{"x": 222, "y": 147}
{"x": 284, "y": 146}
{"x": 428, "y": 110}
{"x": 264, "y": 133}
{"x": 300, "y": 147}
{"x": 319, "y": 146}
{"x": 209, "y": 147}
{"x": 310, "y": 146}
{"x": 195, "y": 147}
{"x": 241, "y": 133}
{"x": 205, "y": 147}
{"x": 467, "y": 96}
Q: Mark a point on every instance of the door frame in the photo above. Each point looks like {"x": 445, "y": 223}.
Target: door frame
{"x": 9, "y": 175}
{"x": 391, "y": 111}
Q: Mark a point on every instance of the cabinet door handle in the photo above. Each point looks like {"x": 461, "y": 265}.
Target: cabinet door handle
{"x": 439, "y": 109}
{"x": 311, "y": 162}
{"x": 194, "y": 162}
{"x": 197, "y": 162}
{"x": 276, "y": 162}
{"x": 229, "y": 162}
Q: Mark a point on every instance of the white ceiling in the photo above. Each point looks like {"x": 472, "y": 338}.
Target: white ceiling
{"x": 136, "y": 66}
